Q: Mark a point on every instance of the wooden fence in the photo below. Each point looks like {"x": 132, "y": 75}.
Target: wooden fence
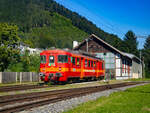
{"x": 12, "y": 77}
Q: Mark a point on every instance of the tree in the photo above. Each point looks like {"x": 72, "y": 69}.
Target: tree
{"x": 45, "y": 41}
{"x": 8, "y": 42}
{"x": 147, "y": 43}
{"x": 27, "y": 63}
{"x": 130, "y": 43}
{"x": 30, "y": 14}
{"x": 146, "y": 53}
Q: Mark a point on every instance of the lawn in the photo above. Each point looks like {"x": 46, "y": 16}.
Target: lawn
{"x": 18, "y": 83}
{"x": 139, "y": 79}
{"x": 133, "y": 100}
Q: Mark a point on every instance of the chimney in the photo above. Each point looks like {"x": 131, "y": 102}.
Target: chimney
{"x": 75, "y": 43}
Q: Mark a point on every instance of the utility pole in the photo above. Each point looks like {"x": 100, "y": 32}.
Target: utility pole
{"x": 86, "y": 45}
{"x": 142, "y": 61}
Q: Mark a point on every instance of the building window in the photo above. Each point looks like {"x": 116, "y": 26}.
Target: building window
{"x": 125, "y": 62}
{"x": 122, "y": 66}
{"x": 104, "y": 54}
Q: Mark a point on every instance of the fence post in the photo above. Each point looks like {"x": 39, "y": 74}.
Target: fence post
{"x": 20, "y": 77}
{"x": 30, "y": 76}
{"x": 16, "y": 78}
{"x": 0, "y": 77}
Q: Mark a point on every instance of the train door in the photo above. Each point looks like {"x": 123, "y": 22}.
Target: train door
{"x": 69, "y": 66}
{"x": 73, "y": 67}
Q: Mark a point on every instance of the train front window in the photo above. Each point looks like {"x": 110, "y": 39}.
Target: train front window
{"x": 62, "y": 58}
{"x": 73, "y": 61}
{"x": 43, "y": 59}
{"x": 51, "y": 59}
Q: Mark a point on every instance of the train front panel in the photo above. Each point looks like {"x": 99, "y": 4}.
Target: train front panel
{"x": 54, "y": 66}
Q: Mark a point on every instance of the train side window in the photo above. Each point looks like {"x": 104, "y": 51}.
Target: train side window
{"x": 43, "y": 59}
{"x": 89, "y": 64}
{"x": 73, "y": 61}
{"x": 62, "y": 58}
{"x": 86, "y": 63}
{"x": 78, "y": 61}
{"x": 94, "y": 64}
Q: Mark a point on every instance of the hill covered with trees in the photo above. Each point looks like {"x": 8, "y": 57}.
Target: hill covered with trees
{"x": 43, "y": 22}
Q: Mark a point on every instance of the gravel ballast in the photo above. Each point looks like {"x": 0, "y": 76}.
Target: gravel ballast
{"x": 65, "y": 105}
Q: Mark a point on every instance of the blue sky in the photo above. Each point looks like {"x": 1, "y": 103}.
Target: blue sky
{"x": 115, "y": 16}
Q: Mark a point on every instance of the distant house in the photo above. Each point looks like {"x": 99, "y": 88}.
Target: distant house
{"x": 118, "y": 65}
{"x": 24, "y": 48}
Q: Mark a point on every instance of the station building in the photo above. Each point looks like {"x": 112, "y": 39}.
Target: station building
{"x": 118, "y": 65}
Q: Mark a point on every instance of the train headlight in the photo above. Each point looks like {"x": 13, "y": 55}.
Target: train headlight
{"x": 59, "y": 68}
{"x": 41, "y": 74}
{"x": 43, "y": 70}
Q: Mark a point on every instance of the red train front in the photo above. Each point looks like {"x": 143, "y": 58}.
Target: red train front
{"x": 61, "y": 66}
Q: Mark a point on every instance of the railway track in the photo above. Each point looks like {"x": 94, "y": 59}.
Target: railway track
{"x": 41, "y": 98}
{"x": 20, "y": 87}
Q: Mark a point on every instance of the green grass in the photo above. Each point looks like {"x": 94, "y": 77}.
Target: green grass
{"x": 139, "y": 79}
{"x": 18, "y": 83}
{"x": 133, "y": 100}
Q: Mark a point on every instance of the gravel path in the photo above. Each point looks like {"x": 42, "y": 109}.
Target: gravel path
{"x": 62, "y": 106}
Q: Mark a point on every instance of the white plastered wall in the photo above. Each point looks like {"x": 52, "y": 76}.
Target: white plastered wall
{"x": 118, "y": 65}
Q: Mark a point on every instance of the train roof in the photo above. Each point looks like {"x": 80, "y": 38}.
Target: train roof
{"x": 80, "y": 53}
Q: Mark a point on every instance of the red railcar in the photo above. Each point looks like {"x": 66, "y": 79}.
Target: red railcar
{"x": 61, "y": 65}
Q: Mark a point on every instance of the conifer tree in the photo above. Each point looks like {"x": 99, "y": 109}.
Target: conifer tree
{"x": 146, "y": 54}
{"x": 130, "y": 43}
